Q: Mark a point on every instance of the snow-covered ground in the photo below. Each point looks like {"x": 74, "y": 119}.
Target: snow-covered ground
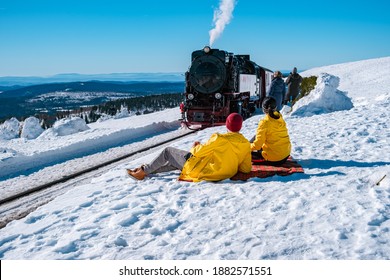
{"x": 338, "y": 209}
{"x": 64, "y": 149}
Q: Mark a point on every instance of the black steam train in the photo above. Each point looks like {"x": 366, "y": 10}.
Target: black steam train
{"x": 219, "y": 83}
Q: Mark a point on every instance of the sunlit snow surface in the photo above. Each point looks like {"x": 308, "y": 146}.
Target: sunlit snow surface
{"x": 335, "y": 210}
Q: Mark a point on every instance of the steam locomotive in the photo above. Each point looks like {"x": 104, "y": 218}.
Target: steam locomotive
{"x": 219, "y": 83}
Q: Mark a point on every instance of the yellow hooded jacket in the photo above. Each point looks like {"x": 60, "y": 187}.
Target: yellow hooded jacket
{"x": 272, "y": 137}
{"x": 218, "y": 159}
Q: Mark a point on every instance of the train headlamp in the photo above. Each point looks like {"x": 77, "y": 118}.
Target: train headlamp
{"x": 218, "y": 95}
{"x": 190, "y": 96}
{"x": 206, "y": 49}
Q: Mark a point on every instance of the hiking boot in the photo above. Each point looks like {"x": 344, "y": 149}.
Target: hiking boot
{"x": 137, "y": 174}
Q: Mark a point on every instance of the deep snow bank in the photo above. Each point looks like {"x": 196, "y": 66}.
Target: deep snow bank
{"x": 324, "y": 98}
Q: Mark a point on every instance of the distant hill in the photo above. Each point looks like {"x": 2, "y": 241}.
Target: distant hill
{"x": 4, "y": 88}
{"x": 10, "y": 81}
{"x": 52, "y": 97}
{"x": 94, "y": 86}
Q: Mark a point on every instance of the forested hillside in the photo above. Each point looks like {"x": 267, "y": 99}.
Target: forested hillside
{"x": 90, "y": 100}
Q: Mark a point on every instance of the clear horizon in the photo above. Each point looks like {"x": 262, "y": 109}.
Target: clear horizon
{"x": 42, "y": 38}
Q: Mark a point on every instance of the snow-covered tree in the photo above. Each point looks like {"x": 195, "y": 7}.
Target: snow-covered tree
{"x": 10, "y": 129}
{"x": 31, "y": 128}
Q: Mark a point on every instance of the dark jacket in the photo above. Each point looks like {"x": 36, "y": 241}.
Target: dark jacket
{"x": 277, "y": 91}
{"x": 293, "y": 82}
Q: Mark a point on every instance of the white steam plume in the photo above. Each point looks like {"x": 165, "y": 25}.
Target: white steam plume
{"x": 222, "y": 16}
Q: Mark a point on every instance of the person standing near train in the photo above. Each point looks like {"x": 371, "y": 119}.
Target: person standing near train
{"x": 278, "y": 90}
{"x": 293, "y": 82}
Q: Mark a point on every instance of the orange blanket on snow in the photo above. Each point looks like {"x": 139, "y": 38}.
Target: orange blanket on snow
{"x": 261, "y": 170}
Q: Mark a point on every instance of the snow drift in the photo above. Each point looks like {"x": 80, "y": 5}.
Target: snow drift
{"x": 325, "y": 98}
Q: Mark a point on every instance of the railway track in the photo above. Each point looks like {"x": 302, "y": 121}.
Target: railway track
{"x": 19, "y": 205}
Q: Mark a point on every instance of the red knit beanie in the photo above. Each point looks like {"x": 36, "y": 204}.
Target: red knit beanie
{"x": 234, "y": 122}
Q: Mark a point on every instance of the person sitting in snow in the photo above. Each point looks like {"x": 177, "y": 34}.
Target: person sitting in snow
{"x": 293, "y": 83}
{"x": 271, "y": 142}
{"x": 221, "y": 157}
{"x": 277, "y": 89}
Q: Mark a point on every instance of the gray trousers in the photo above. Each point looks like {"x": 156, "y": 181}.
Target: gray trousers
{"x": 169, "y": 159}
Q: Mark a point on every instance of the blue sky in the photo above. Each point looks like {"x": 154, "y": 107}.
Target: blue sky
{"x": 47, "y": 37}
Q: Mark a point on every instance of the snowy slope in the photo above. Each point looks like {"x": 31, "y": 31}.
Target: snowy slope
{"x": 335, "y": 210}
{"x": 362, "y": 80}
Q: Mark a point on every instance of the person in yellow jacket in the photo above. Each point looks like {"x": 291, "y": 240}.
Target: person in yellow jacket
{"x": 221, "y": 157}
{"x": 272, "y": 142}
